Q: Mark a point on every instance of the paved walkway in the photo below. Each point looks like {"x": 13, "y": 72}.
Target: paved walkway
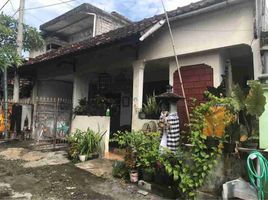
{"x": 26, "y": 173}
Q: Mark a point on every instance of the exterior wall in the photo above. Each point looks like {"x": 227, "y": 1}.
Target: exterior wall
{"x": 33, "y": 54}
{"x": 80, "y": 89}
{"x": 104, "y": 24}
{"x": 80, "y": 36}
{"x": 95, "y": 123}
{"x": 210, "y": 58}
{"x": 227, "y": 27}
{"x": 196, "y": 79}
{"x": 55, "y": 89}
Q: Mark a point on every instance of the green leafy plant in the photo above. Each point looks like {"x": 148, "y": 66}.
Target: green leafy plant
{"x": 84, "y": 143}
{"x": 120, "y": 170}
{"x": 95, "y": 106}
{"x": 190, "y": 167}
{"x": 151, "y": 107}
{"x": 249, "y": 106}
{"x": 142, "y": 148}
{"x": 82, "y": 107}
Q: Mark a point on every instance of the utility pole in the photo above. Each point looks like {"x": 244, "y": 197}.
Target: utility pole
{"x": 16, "y": 77}
{"x": 19, "y": 50}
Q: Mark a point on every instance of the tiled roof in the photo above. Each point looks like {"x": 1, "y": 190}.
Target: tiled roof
{"x": 120, "y": 33}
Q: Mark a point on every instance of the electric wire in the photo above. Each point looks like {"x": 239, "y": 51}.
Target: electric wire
{"x": 15, "y": 12}
{"x": 40, "y": 7}
{"x": 4, "y": 5}
{"x": 28, "y": 13}
{"x": 12, "y": 6}
{"x": 71, "y": 6}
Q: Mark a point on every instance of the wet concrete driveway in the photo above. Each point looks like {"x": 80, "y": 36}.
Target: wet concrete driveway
{"x": 29, "y": 174}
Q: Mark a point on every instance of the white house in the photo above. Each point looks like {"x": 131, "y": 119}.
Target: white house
{"x": 133, "y": 60}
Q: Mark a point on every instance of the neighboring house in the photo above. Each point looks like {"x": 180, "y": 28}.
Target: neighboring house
{"x": 117, "y": 64}
{"x": 83, "y": 22}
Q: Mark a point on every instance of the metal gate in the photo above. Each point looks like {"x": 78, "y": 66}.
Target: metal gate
{"x": 52, "y": 119}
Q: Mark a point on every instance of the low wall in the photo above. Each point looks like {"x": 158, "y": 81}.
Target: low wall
{"x": 95, "y": 123}
{"x": 138, "y": 123}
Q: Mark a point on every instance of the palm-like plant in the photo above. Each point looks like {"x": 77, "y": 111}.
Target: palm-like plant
{"x": 9, "y": 57}
{"x": 85, "y": 143}
{"x": 250, "y": 106}
{"x": 151, "y": 107}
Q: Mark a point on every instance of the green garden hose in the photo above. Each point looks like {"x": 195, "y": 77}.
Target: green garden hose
{"x": 258, "y": 179}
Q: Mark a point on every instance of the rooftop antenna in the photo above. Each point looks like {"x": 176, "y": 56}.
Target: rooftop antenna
{"x": 177, "y": 61}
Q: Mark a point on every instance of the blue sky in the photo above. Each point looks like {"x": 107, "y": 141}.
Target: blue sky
{"x": 133, "y": 9}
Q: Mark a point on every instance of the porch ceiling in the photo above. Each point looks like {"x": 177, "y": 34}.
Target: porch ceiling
{"x": 70, "y": 25}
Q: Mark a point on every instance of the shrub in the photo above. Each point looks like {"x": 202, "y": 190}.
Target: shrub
{"x": 120, "y": 170}
{"x": 142, "y": 149}
{"x": 84, "y": 143}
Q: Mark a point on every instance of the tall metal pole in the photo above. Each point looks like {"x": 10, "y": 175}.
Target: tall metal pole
{"x": 19, "y": 50}
{"x": 177, "y": 62}
{"x": 5, "y": 103}
{"x": 16, "y": 77}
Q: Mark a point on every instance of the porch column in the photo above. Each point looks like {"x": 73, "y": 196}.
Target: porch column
{"x": 138, "y": 74}
{"x": 172, "y": 68}
{"x": 257, "y": 62}
{"x": 80, "y": 88}
{"x": 16, "y": 89}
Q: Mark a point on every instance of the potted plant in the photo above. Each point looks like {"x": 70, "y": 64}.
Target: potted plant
{"x": 85, "y": 144}
{"x": 249, "y": 107}
{"x": 130, "y": 160}
{"x": 82, "y": 107}
{"x": 141, "y": 150}
{"x": 151, "y": 107}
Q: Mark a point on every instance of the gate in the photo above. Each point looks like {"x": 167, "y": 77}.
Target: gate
{"x": 52, "y": 119}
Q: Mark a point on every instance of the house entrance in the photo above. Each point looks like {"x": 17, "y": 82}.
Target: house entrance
{"x": 53, "y": 119}
{"x": 113, "y": 91}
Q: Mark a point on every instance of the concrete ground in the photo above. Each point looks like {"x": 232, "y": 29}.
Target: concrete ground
{"x": 28, "y": 173}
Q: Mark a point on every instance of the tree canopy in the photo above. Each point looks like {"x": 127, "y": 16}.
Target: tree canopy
{"x": 32, "y": 40}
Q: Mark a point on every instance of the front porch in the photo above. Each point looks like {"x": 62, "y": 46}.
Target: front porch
{"x": 116, "y": 80}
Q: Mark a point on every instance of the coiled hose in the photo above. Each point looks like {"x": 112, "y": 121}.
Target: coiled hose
{"x": 258, "y": 179}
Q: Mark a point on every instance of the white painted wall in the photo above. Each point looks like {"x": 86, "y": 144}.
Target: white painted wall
{"x": 80, "y": 88}
{"x": 218, "y": 29}
{"x": 95, "y": 123}
{"x": 211, "y": 58}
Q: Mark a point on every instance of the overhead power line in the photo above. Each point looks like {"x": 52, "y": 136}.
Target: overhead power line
{"x": 15, "y": 12}
{"x": 12, "y": 6}
{"x": 4, "y": 5}
{"x": 37, "y": 18}
{"x": 67, "y": 4}
{"x": 40, "y": 7}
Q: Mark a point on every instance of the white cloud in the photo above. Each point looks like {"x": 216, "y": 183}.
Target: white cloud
{"x": 133, "y": 9}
